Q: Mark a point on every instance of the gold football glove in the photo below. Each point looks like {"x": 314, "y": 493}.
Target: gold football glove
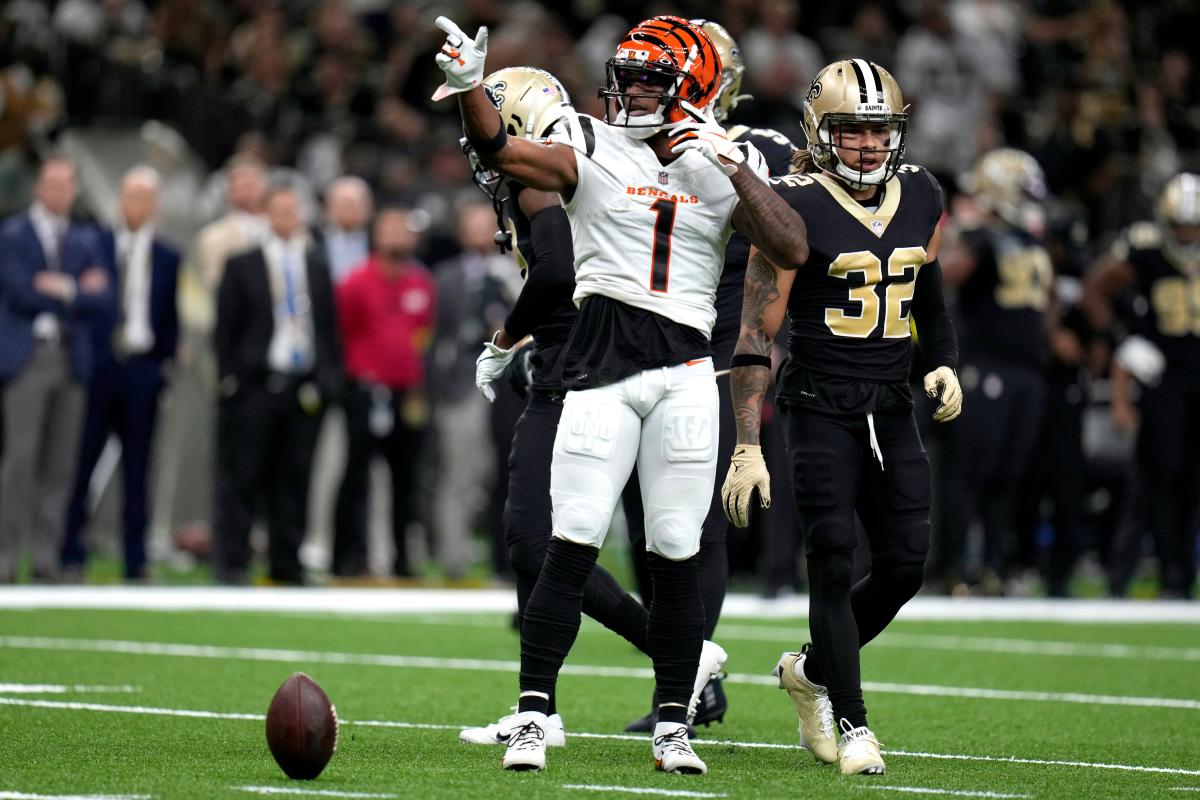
{"x": 942, "y": 384}
{"x": 747, "y": 472}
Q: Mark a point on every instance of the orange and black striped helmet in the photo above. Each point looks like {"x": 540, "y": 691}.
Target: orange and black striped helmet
{"x": 669, "y": 55}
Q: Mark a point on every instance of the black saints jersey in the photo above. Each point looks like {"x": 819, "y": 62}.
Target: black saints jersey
{"x": 777, "y": 150}
{"x": 1002, "y": 305}
{"x": 849, "y": 305}
{"x": 544, "y": 309}
{"x": 1167, "y": 310}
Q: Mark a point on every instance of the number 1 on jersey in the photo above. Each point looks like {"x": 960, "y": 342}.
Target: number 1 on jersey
{"x": 660, "y": 267}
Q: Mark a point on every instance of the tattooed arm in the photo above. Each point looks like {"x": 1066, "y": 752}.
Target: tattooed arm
{"x": 764, "y": 304}
{"x": 768, "y": 221}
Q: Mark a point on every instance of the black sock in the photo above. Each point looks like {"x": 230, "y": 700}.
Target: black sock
{"x": 835, "y": 634}
{"x": 675, "y": 633}
{"x": 605, "y": 601}
{"x": 552, "y": 615}
{"x": 673, "y": 713}
{"x": 533, "y": 702}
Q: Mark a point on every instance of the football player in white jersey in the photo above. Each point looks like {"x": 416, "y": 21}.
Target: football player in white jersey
{"x": 653, "y": 194}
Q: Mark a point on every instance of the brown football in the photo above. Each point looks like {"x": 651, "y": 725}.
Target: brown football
{"x": 302, "y": 727}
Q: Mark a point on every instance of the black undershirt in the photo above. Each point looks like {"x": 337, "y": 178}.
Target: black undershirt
{"x": 612, "y": 340}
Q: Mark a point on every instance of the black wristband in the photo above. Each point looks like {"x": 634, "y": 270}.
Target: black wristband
{"x": 750, "y": 360}
{"x": 487, "y": 147}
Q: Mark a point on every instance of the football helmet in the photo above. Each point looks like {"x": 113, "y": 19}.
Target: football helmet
{"x": 669, "y": 56}
{"x": 732, "y": 68}
{"x": 854, "y": 91}
{"x": 1010, "y": 184}
{"x": 1178, "y": 213}
{"x": 530, "y": 101}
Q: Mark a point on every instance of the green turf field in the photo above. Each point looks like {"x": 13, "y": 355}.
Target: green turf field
{"x": 124, "y": 704}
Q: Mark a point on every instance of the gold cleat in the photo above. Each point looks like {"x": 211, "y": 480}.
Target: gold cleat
{"x": 812, "y": 705}
{"x": 858, "y": 752}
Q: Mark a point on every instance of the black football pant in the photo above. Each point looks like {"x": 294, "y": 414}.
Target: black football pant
{"x": 375, "y": 425}
{"x": 835, "y": 476}
{"x": 528, "y": 525}
{"x": 988, "y": 450}
{"x": 1166, "y": 486}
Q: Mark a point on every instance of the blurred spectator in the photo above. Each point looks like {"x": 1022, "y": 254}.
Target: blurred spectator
{"x": 472, "y": 291}
{"x": 133, "y": 349}
{"x": 278, "y": 358}
{"x": 56, "y": 291}
{"x": 242, "y": 227}
{"x": 344, "y": 235}
{"x": 947, "y": 88}
{"x": 385, "y": 314}
{"x": 774, "y": 51}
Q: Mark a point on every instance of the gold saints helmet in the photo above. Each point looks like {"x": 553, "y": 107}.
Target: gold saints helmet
{"x": 1178, "y": 213}
{"x": 530, "y": 101}
{"x": 732, "y": 68}
{"x": 1009, "y": 183}
{"x": 854, "y": 91}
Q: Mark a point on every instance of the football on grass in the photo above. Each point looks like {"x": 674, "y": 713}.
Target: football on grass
{"x": 302, "y": 727}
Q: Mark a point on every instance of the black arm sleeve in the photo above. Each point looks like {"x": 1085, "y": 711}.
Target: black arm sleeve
{"x": 551, "y": 280}
{"x": 935, "y": 329}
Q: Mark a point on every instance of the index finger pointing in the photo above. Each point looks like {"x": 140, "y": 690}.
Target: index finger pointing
{"x": 447, "y": 25}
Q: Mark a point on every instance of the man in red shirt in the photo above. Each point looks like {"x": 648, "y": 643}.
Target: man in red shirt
{"x": 386, "y": 315}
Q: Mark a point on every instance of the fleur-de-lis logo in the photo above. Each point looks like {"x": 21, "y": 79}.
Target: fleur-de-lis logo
{"x": 495, "y": 93}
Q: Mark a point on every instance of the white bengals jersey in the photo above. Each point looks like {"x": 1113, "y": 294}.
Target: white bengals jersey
{"x": 648, "y": 235}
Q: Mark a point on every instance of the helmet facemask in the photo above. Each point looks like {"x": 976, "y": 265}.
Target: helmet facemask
{"x": 1178, "y": 214}
{"x": 661, "y": 80}
{"x": 830, "y": 129}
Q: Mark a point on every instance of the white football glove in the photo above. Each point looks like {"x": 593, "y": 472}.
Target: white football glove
{"x": 491, "y": 365}
{"x": 704, "y": 134}
{"x": 747, "y": 472}
{"x": 943, "y": 383}
{"x": 461, "y": 59}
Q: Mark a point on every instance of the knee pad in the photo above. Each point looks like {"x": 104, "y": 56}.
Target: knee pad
{"x": 673, "y": 524}
{"x": 583, "y": 500}
{"x": 527, "y": 554}
{"x": 829, "y": 533}
{"x": 833, "y": 569}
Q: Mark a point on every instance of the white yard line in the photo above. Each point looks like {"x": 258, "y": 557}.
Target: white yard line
{"x": 376, "y": 601}
{"x": 949, "y": 792}
{"x": 979, "y": 644}
{"x": 179, "y": 712}
{"x": 639, "y": 790}
{"x": 312, "y": 792}
{"x": 424, "y": 662}
{"x": 5, "y": 795}
{"x": 58, "y": 688}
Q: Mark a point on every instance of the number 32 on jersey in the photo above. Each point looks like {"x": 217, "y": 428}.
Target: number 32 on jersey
{"x": 892, "y": 310}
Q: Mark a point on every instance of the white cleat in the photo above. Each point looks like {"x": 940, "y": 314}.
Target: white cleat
{"x": 858, "y": 751}
{"x": 712, "y": 660}
{"x": 527, "y": 742}
{"x": 673, "y": 752}
{"x": 812, "y": 705}
{"x": 500, "y": 731}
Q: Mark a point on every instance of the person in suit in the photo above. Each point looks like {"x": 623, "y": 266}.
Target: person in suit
{"x": 132, "y": 349}
{"x": 241, "y": 228}
{"x": 55, "y": 291}
{"x": 348, "y": 207}
{"x": 279, "y": 364}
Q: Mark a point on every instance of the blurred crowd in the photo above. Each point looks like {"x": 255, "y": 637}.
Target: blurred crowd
{"x": 339, "y": 217}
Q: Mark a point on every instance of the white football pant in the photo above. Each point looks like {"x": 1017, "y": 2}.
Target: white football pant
{"x": 666, "y": 420}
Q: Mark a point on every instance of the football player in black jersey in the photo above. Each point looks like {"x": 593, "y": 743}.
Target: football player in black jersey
{"x": 1159, "y": 347}
{"x": 843, "y": 390}
{"x": 714, "y": 556}
{"x": 536, "y": 228}
{"x": 1004, "y": 277}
